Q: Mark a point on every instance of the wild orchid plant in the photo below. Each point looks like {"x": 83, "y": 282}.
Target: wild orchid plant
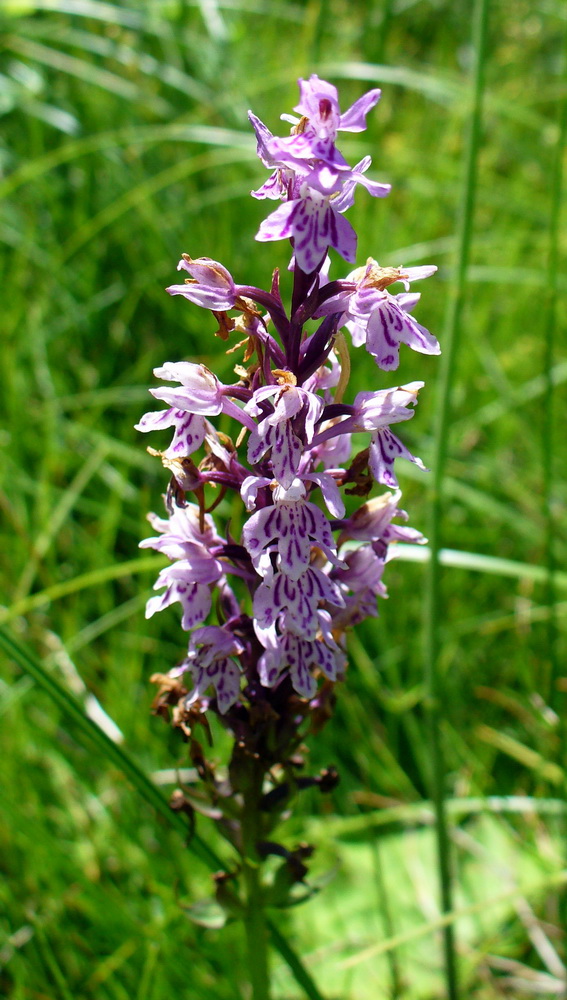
{"x": 301, "y": 573}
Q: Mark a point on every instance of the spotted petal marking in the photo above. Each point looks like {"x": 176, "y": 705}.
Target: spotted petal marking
{"x": 385, "y": 447}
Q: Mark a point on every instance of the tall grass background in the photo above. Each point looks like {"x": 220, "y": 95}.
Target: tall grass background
{"x": 124, "y": 142}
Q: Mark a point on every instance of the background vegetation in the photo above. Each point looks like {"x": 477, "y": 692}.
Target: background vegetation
{"x": 125, "y": 142}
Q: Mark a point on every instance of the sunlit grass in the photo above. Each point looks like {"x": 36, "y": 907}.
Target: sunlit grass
{"x": 124, "y": 143}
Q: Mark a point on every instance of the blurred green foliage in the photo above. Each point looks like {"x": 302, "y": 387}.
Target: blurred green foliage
{"x": 124, "y": 142}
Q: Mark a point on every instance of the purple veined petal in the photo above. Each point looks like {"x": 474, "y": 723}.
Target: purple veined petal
{"x": 263, "y": 137}
{"x": 270, "y": 664}
{"x": 294, "y": 603}
{"x": 326, "y": 660}
{"x": 345, "y": 240}
{"x": 207, "y": 298}
{"x": 198, "y": 566}
{"x": 372, "y": 520}
{"x": 325, "y": 179}
{"x": 303, "y": 682}
{"x": 253, "y": 406}
{"x": 414, "y": 334}
{"x": 208, "y": 272}
{"x": 294, "y": 545}
{"x": 286, "y": 405}
{"x": 279, "y": 224}
{"x": 386, "y": 406}
{"x": 293, "y": 152}
{"x": 313, "y": 406}
{"x": 286, "y": 453}
{"x": 383, "y": 336}
{"x": 314, "y": 225}
{"x": 345, "y": 199}
{"x": 354, "y": 118}
{"x": 262, "y": 528}
{"x": 158, "y": 420}
{"x": 364, "y": 572}
{"x": 385, "y": 447}
{"x": 400, "y": 533}
{"x": 208, "y": 660}
{"x": 330, "y": 491}
{"x": 189, "y": 436}
{"x": 214, "y": 640}
{"x": 185, "y": 524}
{"x": 195, "y": 599}
{"x": 407, "y": 300}
{"x": 227, "y": 684}
{"x": 258, "y": 443}
{"x": 391, "y": 325}
{"x": 273, "y": 189}
{"x": 249, "y": 490}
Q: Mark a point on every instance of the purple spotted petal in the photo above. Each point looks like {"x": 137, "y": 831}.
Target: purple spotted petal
{"x": 384, "y": 449}
{"x": 390, "y": 324}
{"x": 314, "y": 225}
{"x": 195, "y": 599}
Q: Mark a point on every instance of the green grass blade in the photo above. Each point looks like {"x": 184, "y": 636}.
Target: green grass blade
{"x": 122, "y": 760}
{"x": 294, "y": 963}
{"x": 433, "y": 585}
{"x": 111, "y": 751}
{"x": 115, "y": 571}
{"x": 548, "y": 433}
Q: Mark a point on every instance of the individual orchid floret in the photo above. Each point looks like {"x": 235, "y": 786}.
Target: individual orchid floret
{"x": 190, "y": 429}
{"x": 361, "y": 582}
{"x": 372, "y": 522}
{"x": 210, "y": 661}
{"x": 299, "y": 657}
{"x": 379, "y": 320}
{"x": 200, "y": 391}
{"x": 188, "y": 582}
{"x": 375, "y": 411}
{"x": 196, "y": 570}
{"x": 210, "y": 285}
{"x": 319, "y": 103}
{"x": 290, "y": 526}
{"x": 314, "y": 225}
{"x": 363, "y": 572}
{"x": 291, "y": 405}
{"x": 292, "y": 604}
{"x": 180, "y": 533}
{"x": 200, "y": 394}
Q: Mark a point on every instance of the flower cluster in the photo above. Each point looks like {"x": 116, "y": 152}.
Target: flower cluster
{"x": 301, "y": 572}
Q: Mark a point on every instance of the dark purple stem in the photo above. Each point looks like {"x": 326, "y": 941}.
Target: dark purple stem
{"x": 317, "y": 348}
{"x": 274, "y": 307}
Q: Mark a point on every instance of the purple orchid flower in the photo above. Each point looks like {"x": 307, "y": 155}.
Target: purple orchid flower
{"x": 211, "y": 662}
{"x": 291, "y": 455}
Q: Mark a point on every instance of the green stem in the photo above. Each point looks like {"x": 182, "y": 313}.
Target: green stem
{"x": 551, "y": 528}
{"x": 255, "y": 924}
{"x": 555, "y": 698}
{"x": 434, "y": 610}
